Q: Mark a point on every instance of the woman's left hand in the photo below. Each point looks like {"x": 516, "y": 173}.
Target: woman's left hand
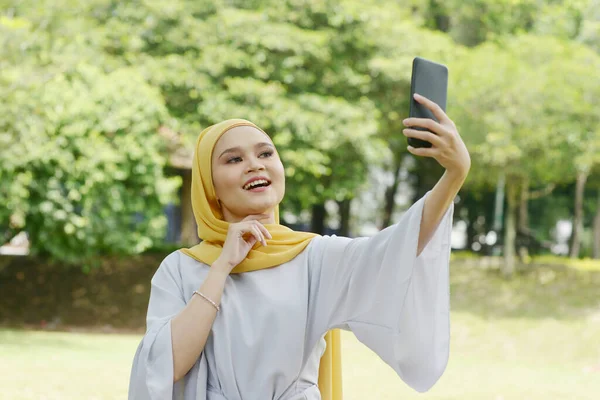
{"x": 447, "y": 148}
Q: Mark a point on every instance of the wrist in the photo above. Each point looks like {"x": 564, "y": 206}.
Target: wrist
{"x": 216, "y": 278}
{"x": 457, "y": 176}
{"x": 221, "y": 267}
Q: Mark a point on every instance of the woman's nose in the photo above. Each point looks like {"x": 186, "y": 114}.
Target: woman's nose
{"x": 255, "y": 165}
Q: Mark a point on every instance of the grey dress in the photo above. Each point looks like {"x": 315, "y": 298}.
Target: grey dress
{"x": 267, "y": 339}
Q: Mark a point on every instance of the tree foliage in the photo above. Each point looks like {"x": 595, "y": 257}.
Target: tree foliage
{"x": 81, "y": 163}
{"x": 87, "y": 85}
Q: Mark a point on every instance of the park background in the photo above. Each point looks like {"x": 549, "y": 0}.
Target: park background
{"x": 102, "y": 101}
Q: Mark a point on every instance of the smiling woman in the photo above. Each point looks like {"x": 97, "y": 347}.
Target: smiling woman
{"x": 252, "y": 311}
{"x": 248, "y": 175}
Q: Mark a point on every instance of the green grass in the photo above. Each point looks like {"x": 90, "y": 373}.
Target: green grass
{"x": 535, "y": 337}
{"x": 57, "y": 365}
{"x": 494, "y": 359}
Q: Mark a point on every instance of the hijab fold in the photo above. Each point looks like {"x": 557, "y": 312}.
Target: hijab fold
{"x": 283, "y": 247}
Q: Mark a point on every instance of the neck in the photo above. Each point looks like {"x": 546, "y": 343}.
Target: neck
{"x": 228, "y": 216}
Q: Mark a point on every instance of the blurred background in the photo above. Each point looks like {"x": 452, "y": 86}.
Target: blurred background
{"x": 102, "y": 101}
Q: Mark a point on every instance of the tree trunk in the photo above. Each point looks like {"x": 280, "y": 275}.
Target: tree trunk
{"x": 523, "y": 222}
{"x": 390, "y": 195}
{"x": 596, "y": 244}
{"x": 471, "y": 231}
{"x": 498, "y": 211}
{"x": 317, "y": 223}
{"x": 439, "y": 18}
{"x": 578, "y": 214}
{"x": 344, "y": 210}
{"x": 523, "y": 203}
{"x": 508, "y": 267}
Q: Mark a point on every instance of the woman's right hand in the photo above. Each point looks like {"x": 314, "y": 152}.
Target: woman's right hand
{"x": 241, "y": 236}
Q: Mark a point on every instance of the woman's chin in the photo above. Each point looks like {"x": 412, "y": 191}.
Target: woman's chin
{"x": 258, "y": 207}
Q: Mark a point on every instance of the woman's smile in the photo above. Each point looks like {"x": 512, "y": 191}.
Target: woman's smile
{"x": 245, "y": 158}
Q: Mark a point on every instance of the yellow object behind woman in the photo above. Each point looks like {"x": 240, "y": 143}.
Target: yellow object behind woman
{"x": 284, "y": 246}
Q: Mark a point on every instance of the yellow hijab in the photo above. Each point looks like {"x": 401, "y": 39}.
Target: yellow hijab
{"x": 284, "y": 246}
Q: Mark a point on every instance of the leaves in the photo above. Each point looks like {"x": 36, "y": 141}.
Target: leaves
{"x": 86, "y": 86}
{"x": 84, "y": 166}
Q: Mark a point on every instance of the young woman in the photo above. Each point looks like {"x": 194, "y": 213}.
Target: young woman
{"x": 244, "y": 314}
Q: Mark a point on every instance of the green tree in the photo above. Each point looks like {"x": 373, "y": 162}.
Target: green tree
{"x": 296, "y": 68}
{"x": 81, "y": 165}
{"x": 517, "y": 115}
{"x": 390, "y": 71}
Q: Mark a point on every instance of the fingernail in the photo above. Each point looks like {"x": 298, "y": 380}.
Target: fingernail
{"x": 417, "y": 95}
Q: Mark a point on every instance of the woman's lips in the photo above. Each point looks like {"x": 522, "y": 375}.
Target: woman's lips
{"x": 259, "y": 189}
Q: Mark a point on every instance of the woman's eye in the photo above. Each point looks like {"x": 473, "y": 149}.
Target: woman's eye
{"x": 237, "y": 159}
{"x": 233, "y": 160}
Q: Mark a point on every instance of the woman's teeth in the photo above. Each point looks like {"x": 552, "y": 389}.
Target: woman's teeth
{"x": 255, "y": 183}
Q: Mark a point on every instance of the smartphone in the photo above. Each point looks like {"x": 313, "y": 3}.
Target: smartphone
{"x": 429, "y": 79}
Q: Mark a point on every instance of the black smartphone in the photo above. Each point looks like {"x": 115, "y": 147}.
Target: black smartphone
{"x": 429, "y": 79}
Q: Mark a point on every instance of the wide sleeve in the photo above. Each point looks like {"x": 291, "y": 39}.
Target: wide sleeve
{"x": 152, "y": 370}
{"x": 393, "y": 301}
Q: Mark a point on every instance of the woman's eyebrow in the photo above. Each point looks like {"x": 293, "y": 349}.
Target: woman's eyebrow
{"x": 234, "y": 149}
{"x": 264, "y": 144}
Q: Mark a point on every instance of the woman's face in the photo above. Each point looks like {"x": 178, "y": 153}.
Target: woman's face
{"x": 247, "y": 174}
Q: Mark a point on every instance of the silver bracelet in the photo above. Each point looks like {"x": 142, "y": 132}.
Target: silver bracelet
{"x": 207, "y": 299}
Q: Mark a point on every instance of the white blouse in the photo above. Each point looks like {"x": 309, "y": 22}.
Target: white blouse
{"x": 267, "y": 340}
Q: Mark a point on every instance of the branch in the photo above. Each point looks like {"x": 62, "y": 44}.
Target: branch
{"x": 541, "y": 192}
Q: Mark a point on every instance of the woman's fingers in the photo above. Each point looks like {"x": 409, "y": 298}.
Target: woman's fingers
{"x": 427, "y": 123}
{"x": 444, "y": 127}
{"x": 258, "y": 235}
{"x": 251, "y": 234}
{"x": 264, "y": 230}
{"x": 448, "y": 148}
{"x": 437, "y": 111}
{"x": 252, "y": 226}
{"x": 251, "y": 240}
{"x": 254, "y": 219}
{"x": 423, "y": 151}
{"x": 423, "y": 135}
